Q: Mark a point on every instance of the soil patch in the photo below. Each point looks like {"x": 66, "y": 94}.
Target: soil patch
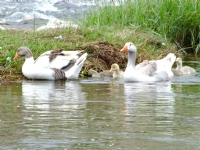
{"x": 102, "y": 54}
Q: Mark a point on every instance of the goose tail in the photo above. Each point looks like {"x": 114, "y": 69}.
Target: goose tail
{"x": 73, "y": 73}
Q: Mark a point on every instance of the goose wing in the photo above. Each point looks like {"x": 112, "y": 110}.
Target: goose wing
{"x": 141, "y": 65}
{"x": 149, "y": 69}
{"x": 57, "y": 58}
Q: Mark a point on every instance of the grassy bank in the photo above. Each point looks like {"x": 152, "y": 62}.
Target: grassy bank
{"x": 154, "y": 26}
{"x": 178, "y": 21}
{"x": 102, "y": 45}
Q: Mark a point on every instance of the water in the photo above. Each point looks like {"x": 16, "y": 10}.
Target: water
{"x": 101, "y": 114}
{"x": 30, "y": 14}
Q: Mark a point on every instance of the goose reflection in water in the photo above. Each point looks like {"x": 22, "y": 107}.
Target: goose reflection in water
{"x": 52, "y": 95}
{"x": 151, "y": 104}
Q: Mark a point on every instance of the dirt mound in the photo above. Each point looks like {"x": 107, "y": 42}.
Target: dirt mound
{"x": 102, "y": 54}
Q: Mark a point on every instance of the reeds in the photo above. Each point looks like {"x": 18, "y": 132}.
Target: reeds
{"x": 177, "y": 20}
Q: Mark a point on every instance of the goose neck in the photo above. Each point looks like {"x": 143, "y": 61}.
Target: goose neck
{"x": 29, "y": 61}
{"x": 179, "y": 66}
{"x": 131, "y": 59}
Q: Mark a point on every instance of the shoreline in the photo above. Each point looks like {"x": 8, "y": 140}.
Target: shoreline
{"x": 102, "y": 48}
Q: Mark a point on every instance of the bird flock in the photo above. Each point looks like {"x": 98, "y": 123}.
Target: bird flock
{"x": 148, "y": 70}
{"x": 60, "y": 64}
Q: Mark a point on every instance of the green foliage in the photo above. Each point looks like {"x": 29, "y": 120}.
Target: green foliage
{"x": 74, "y": 39}
{"x": 178, "y": 20}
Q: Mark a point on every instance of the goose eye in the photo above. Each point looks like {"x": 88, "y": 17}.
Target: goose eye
{"x": 129, "y": 44}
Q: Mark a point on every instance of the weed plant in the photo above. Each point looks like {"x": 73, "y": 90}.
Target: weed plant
{"x": 177, "y": 20}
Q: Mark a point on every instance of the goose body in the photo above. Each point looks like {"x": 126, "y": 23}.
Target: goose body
{"x": 177, "y": 72}
{"x": 158, "y": 70}
{"x": 106, "y": 73}
{"x": 146, "y": 68}
{"x": 117, "y": 73}
{"x": 184, "y": 69}
{"x": 51, "y": 65}
{"x": 95, "y": 74}
{"x": 142, "y": 64}
{"x": 165, "y": 64}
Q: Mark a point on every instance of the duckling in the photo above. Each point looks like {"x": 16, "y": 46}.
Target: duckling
{"x": 95, "y": 74}
{"x": 117, "y": 73}
{"x": 177, "y": 72}
{"x": 106, "y": 73}
{"x": 184, "y": 69}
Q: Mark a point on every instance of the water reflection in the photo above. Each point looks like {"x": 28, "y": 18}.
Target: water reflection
{"x": 152, "y": 104}
{"x": 52, "y": 95}
{"x": 160, "y": 92}
{"x": 52, "y": 113}
{"x": 186, "y": 79}
{"x": 100, "y": 114}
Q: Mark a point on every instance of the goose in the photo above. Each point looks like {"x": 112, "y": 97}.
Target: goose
{"x": 160, "y": 69}
{"x": 166, "y": 64}
{"x": 117, "y": 73}
{"x": 148, "y": 67}
{"x": 93, "y": 73}
{"x": 184, "y": 69}
{"x": 177, "y": 72}
{"x": 51, "y": 65}
{"x": 105, "y": 73}
{"x": 142, "y": 64}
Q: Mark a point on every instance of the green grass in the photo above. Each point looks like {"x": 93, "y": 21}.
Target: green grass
{"x": 177, "y": 20}
{"x": 73, "y": 39}
{"x": 146, "y": 23}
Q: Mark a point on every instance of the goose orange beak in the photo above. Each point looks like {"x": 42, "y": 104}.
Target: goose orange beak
{"x": 16, "y": 56}
{"x": 124, "y": 49}
{"x": 111, "y": 69}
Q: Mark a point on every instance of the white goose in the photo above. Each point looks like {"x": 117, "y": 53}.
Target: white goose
{"x": 158, "y": 70}
{"x": 51, "y": 65}
{"x": 142, "y": 64}
{"x": 117, "y": 73}
{"x": 184, "y": 69}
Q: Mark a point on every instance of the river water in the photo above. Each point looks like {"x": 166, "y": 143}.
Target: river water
{"x": 101, "y": 113}
{"x": 30, "y": 14}
{"x": 93, "y": 113}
